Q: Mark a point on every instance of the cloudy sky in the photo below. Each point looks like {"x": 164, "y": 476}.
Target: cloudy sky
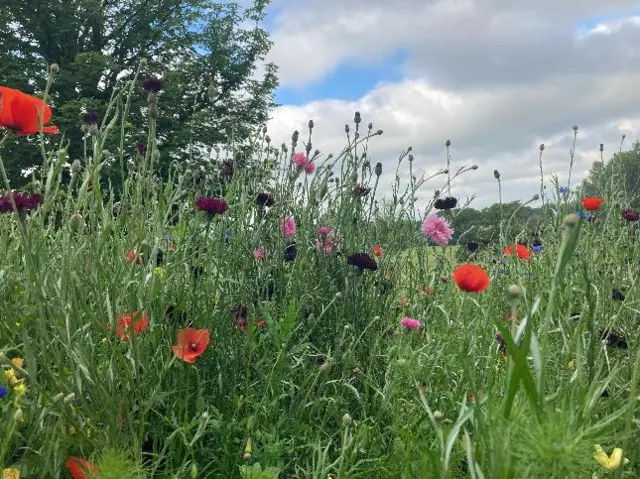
{"x": 496, "y": 77}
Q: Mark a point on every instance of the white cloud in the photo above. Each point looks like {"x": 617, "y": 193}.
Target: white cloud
{"x": 496, "y": 77}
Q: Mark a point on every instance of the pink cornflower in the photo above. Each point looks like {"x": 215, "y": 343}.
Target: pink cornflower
{"x": 288, "y": 226}
{"x": 300, "y": 159}
{"x": 309, "y": 167}
{"x": 410, "y": 323}
{"x": 437, "y": 229}
{"x": 326, "y": 240}
{"x": 258, "y": 254}
{"x": 324, "y": 230}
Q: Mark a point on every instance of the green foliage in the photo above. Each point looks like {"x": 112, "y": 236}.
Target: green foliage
{"x": 201, "y": 48}
{"x": 620, "y": 176}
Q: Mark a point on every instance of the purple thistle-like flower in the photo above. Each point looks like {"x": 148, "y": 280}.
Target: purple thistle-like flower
{"x": 152, "y": 84}
{"x": 631, "y": 215}
{"x": 212, "y": 206}
{"x": 90, "y": 118}
{"x": 23, "y": 203}
{"x": 141, "y": 148}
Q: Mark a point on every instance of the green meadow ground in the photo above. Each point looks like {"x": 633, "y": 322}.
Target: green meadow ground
{"x": 308, "y": 372}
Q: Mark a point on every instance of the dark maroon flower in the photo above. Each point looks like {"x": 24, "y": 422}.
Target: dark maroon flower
{"x": 240, "y": 316}
{"x": 501, "y": 344}
{"x": 631, "y": 215}
{"x": 227, "y": 169}
{"x": 142, "y": 148}
{"x": 264, "y": 200}
{"x": 23, "y": 203}
{"x": 212, "y": 206}
{"x": 359, "y": 191}
{"x": 90, "y": 119}
{"x": 447, "y": 203}
{"x": 152, "y": 84}
{"x": 159, "y": 258}
{"x": 290, "y": 252}
{"x": 613, "y": 338}
{"x": 472, "y": 246}
{"x": 362, "y": 261}
{"x": 617, "y": 295}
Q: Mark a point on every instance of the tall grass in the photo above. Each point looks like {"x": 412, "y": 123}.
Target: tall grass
{"x": 322, "y": 381}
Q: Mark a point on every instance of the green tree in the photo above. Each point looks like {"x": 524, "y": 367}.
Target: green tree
{"x": 202, "y": 48}
{"x": 622, "y": 173}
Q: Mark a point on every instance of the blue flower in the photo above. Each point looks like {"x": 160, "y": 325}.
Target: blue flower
{"x": 537, "y": 248}
{"x": 583, "y": 214}
{"x": 228, "y": 233}
{"x": 563, "y": 189}
{"x": 3, "y": 392}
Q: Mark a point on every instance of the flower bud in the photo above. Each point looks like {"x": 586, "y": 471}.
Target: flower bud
{"x": 76, "y": 222}
{"x": 496, "y": 174}
{"x": 347, "y": 420}
{"x": 18, "y": 416}
{"x": 541, "y": 146}
{"x": 447, "y": 143}
{"x": 194, "y": 471}
{"x": 437, "y": 415}
{"x": 311, "y": 125}
{"x": 54, "y": 68}
{"x": 570, "y": 221}
{"x": 378, "y": 169}
{"x": 514, "y": 292}
{"x": 76, "y": 167}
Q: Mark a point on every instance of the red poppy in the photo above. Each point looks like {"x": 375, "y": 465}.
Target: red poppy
{"x": 132, "y": 256}
{"x": 591, "y": 204}
{"x": 81, "y": 468}
{"x": 377, "y": 250}
{"x": 261, "y": 323}
{"x": 524, "y": 253}
{"x": 471, "y": 278}
{"x": 128, "y": 322}
{"x": 191, "y": 344}
{"x": 21, "y": 112}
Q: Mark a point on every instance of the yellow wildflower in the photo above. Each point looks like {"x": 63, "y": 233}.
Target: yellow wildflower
{"x": 20, "y": 389}
{"x": 72, "y": 431}
{"x": 159, "y": 272}
{"x": 11, "y": 377}
{"x": 11, "y": 473}
{"x": 17, "y": 362}
{"x": 572, "y": 365}
{"x": 609, "y": 462}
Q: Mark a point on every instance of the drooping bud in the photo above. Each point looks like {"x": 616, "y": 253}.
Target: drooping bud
{"x": 541, "y": 146}
{"x": 76, "y": 222}
{"x": 496, "y": 174}
{"x": 347, "y": 420}
{"x": 514, "y": 292}
{"x": 54, "y": 68}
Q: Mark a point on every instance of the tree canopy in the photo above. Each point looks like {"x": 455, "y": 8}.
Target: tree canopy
{"x": 206, "y": 51}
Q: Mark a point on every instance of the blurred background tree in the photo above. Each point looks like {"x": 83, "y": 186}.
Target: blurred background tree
{"x": 207, "y": 52}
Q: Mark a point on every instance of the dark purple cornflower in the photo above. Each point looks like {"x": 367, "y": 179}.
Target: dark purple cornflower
{"x": 239, "y": 316}
{"x": 617, "y": 295}
{"x": 264, "y": 200}
{"x": 159, "y": 258}
{"x": 212, "y": 206}
{"x": 447, "y": 203}
{"x": 631, "y": 215}
{"x": 227, "y": 168}
{"x": 290, "y": 252}
{"x": 359, "y": 191}
{"x": 90, "y": 119}
{"x": 141, "y": 148}
{"x": 362, "y": 261}
{"x": 501, "y": 344}
{"x": 613, "y": 338}
{"x": 23, "y": 203}
{"x": 472, "y": 246}
{"x": 152, "y": 84}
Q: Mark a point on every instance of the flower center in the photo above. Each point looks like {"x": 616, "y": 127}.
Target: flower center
{"x": 193, "y": 346}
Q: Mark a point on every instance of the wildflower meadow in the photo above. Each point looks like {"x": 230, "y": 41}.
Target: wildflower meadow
{"x": 283, "y": 314}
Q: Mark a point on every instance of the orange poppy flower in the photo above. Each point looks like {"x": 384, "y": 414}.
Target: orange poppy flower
{"x": 471, "y": 278}
{"x": 591, "y": 204}
{"x": 81, "y": 468}
{"x": 21, "y": 112}
{"x": 191, "y": 344}
{"x": 523, "y": 252}
{"x": 377, "y": 250}
{"x": 128, "y": 322}
{"x": 132, "y": 256}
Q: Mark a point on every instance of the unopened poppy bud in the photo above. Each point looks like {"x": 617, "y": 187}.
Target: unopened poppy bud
{"x": 311, "y": 125}
{"x": 76, "y": 222}
{"x": 514, "y": 292}
{"x": 379, "y": 132}
{"x": 54, "y": 68}
{"x": 18, "y": 416}
{"x": 370, "y": 126}
{"x": 445, "y": 171}
{"x": 338, "y": 295}
{"x": 356, "y": 118}
{"x": 447, "y": 143}
{"x": 496, "y": 174}
{"x": 437, "y": 415}
{"x": 601, "y": 147}
{"x": 378, "y": 169}
{"x": 248, "y": 449}
{"x": 267, "y": 139}
{"x": 347, "y": 420}
{"x": 76, "y": 166}
{"x": 155, "y": 156}
{"x": 346, "y": 128}
{"x": 536, "y": 197}
{"x": 541, "y": 146}
{"x": 69, "y": 398}
{"x": 570, "y": 221}
{"x": 194, "y": 471}
{"x": 106, "y": 153}
{"x": 474, "y": 167}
